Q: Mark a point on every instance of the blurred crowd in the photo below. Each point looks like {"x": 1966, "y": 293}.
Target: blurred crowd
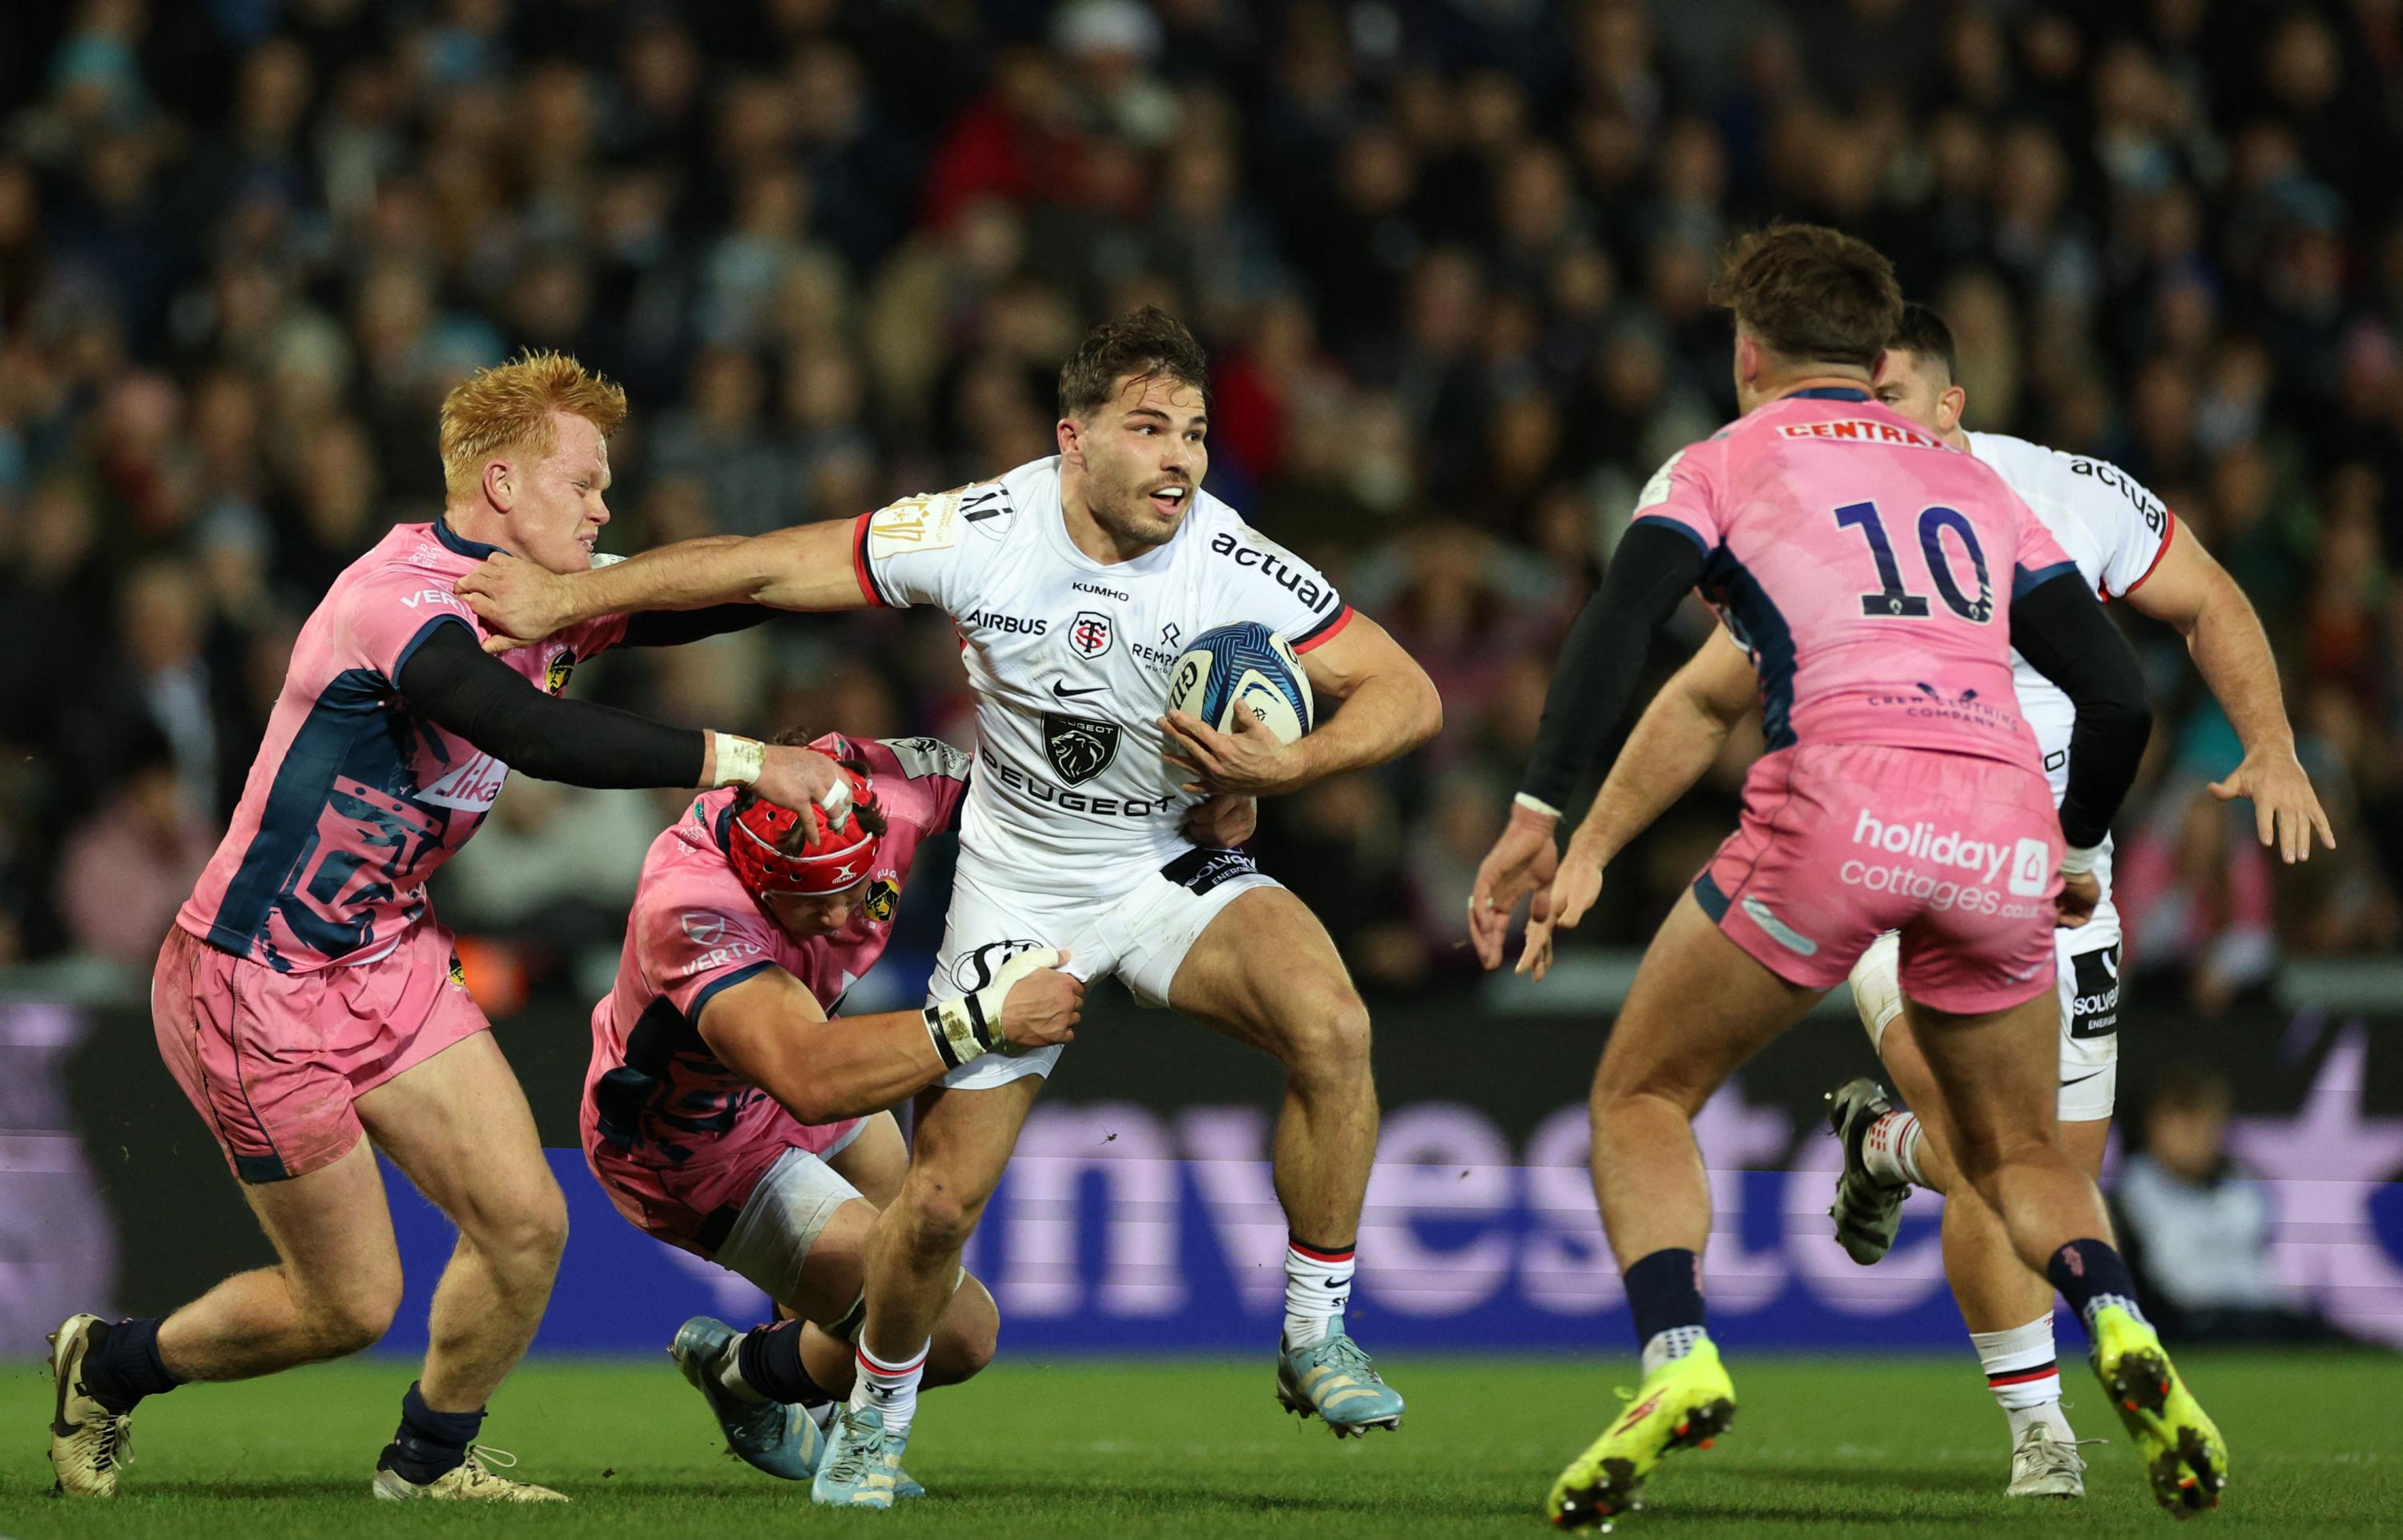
{"x": 1450, "y": 256}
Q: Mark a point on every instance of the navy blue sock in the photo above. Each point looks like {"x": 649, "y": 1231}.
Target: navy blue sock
{"x": 770, "y": 1360}
{"x": 122, "y": 1364}
{"x": 430, "y": 1442}
{"x": 1665, "y": 1289}
{"x": 2090, "y": 1271}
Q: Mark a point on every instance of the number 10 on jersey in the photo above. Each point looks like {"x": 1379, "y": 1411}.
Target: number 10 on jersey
{"x": 1892, "y": 601}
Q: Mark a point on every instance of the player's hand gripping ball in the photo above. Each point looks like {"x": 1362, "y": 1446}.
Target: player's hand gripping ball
{"x": 1237, "y": 702}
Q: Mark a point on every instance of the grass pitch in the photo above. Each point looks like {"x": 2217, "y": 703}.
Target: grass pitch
{"x": 1069, "y": 1449}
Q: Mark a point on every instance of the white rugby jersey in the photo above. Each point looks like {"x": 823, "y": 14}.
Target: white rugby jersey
{"x": 2111, "y": 526}
{"x": 1069, "y": 659}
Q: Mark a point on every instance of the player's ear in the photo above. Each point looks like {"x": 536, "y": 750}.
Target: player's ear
{"x": 1949, "y": 406}
{"x": 1072, "y": 441}
{"x": 500, "y": 485}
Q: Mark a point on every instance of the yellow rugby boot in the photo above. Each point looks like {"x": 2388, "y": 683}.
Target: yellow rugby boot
{"x": 2184, "y": 1456}
{"x": 1686, "y": 1403}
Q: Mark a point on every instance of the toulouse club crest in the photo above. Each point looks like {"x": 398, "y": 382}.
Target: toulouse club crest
{"x": 1091, "y": 633}
{"x": 1079, "y": 748}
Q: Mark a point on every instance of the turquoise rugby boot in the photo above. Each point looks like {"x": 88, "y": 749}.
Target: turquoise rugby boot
{"x": 1333, "y": 1378}
{"x": 768, "y": 1436}
{"x": 862, "y": 1464}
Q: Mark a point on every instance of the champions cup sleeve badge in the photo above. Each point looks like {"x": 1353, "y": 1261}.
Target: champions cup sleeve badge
{"x": 458, "y": 971}
{"x": 562, "y": 663}
{"x": 1079, "y": 748}
{"x": 884, "y": 896}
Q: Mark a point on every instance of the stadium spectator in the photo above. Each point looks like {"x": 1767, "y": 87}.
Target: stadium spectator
{"x": 2196, "y": 1229}
{"x": 1450, "y": 260}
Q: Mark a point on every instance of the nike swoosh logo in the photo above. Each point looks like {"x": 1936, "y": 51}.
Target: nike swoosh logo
{"x": 2080, "y": 1080}
{"x": 1065, "y": 693}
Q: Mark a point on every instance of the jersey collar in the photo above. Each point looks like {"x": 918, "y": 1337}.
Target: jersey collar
{"x": 1829, "y": 392}
{"x": 474, "y": 551}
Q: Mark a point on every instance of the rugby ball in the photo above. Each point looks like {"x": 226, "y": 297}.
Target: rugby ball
{"x": 1248, "y": 662}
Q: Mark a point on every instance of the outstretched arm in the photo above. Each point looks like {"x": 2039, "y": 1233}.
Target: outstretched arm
{"x": 450, "y": 680}
{"x": 2190, "y": 591}
{"x": 770, "y": 1030}
{"x": 1390, "y": 707}
{"x": 1676, "y": 738}
{"x": 1657, "y": 563}
{"x": 806, "y": 567}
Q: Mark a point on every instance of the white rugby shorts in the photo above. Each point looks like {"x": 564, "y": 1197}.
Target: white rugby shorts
{"x": 2087, "y": 981}
{"x": 1140, "y": 931}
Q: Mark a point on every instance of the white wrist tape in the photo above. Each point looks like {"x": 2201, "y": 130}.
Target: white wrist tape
{"x": 2077, "y": 863}
{"x": 837, "y": 801}
{"x": 964, "y": 1028}
{"x": 1536, "y": 804}
{"x": 740, "y": 760}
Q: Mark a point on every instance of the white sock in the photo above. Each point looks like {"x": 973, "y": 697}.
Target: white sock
{"x": 1667, "y": 1347}
{"x": 1890, "y": 1149}
{"x": 2024, "y": 1374}
{"x": 1316, "y": 1285}
{"x": 891, "y": 1388}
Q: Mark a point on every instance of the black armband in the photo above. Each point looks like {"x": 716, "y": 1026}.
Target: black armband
{"x": 451, "y": 680}
{"x": 1655, "y": 566}
{"x": 2059, "y": 628}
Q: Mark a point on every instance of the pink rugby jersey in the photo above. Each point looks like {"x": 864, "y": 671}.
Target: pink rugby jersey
{"x": 354, "y": 799}
{"x": 1867, "y": 568}
{"x": 653, "y": 1087}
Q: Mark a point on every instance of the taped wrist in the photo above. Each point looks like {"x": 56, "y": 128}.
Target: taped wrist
{"x": 964, "y": 1028}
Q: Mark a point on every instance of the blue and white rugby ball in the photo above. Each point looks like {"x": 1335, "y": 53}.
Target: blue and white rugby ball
{"x": 1248, "y": 662}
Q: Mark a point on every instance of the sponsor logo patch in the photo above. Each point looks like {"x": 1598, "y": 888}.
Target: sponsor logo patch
{"x": 1778, "y": 930}
{"x": 1079, "y": 748}
{"x": 884, "y": 897}
{"x": 470, "y": 787}
{"x": 1200, "y": 870}
{"x": 2094, "y": 1008}
{"x": 707, "y": 929}
{"x": 555, "y": 674}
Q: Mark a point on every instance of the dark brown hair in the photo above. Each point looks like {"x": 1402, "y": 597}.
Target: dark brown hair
{"x": 797, "y": 839}
{"x": 1925, "y": 337}
{"x": 1811, "y": 293}
{"x": 1148, "y": 344}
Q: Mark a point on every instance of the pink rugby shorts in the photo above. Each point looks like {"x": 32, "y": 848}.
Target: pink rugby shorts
{"x": 276, "y": 1060}
{"x": 1841, "y": 842}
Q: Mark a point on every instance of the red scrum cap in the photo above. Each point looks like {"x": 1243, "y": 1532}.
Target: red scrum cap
{"x": 831, "y": 860}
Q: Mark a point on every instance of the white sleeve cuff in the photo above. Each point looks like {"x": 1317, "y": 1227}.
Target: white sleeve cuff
{"x": 1536, "y": 804}
{"x": 2077, "y": 863}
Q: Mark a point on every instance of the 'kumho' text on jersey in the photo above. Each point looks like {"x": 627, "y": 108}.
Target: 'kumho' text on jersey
{"x": 1069, "y": 658}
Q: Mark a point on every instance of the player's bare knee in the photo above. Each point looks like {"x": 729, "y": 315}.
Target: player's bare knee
{"x": 1326, "y": 1040}
{"x": 527, "y": 1232}
{"x": 349, "y": 1317}
{"x": 934, "y": 1220}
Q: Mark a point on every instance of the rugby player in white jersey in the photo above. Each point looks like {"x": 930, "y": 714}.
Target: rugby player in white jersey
{"x": 1075, "y": 582}
{"x": 2130, "y": 546}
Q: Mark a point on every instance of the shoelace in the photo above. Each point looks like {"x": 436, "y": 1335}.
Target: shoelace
{"x": 1346, "y": 1353}
{"x": 852, "y": 1465}
{"x": 113, "y": 1445}
{"x": 483, "y": 1458}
